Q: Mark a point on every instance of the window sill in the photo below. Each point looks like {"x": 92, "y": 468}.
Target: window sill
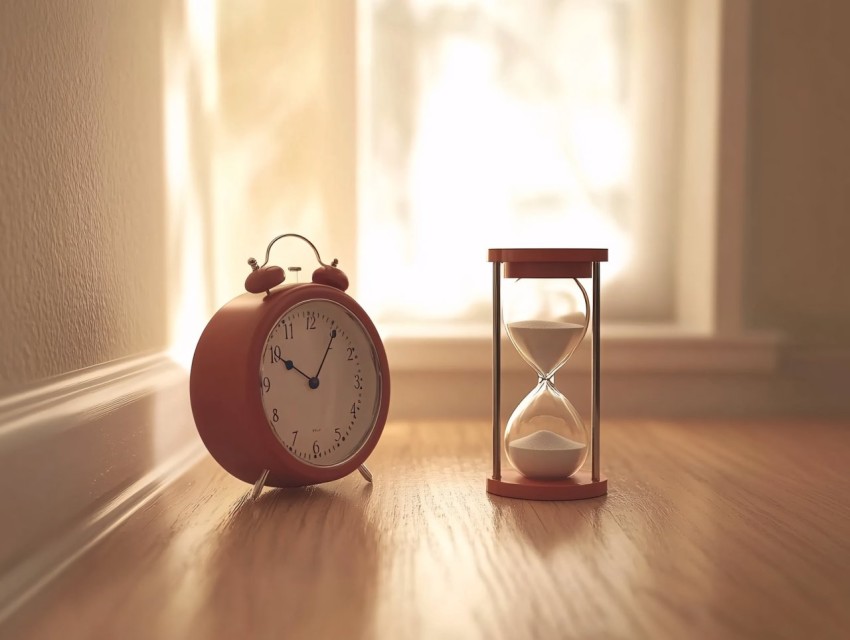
{"x": 646, "y": 348}
{"x": 652, "y": 373}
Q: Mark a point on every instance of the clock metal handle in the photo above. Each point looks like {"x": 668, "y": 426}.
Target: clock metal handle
{"x": 264, "y": 278}
{"x": 253, "y": 262}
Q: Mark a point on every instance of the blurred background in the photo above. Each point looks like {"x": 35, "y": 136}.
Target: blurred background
{"x": 148, "y": 149}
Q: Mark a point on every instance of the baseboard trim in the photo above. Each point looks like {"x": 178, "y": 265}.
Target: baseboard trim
{"x": 796, "y": 382}
{"x": 35, "y": 572}
{"x": 81, "y": 454}
{"x": 647, "y": 350}
{"x": 20, "y": 409}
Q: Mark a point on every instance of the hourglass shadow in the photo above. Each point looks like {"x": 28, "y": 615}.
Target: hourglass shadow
{"x": 545, "y": 525}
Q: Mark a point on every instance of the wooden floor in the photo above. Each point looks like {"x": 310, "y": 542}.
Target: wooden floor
{"x": 710, "y": 530}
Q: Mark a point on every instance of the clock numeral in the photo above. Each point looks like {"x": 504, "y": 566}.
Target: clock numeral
{"x": 316, "y": 448}
{"x": 338, "y": 435}
{"x": 294, "y": 437}
{"x": 266, "y": 384}
{"x": 275, "y": 417}
{"x": 358, "y": 382}
{"x": 351, "y": 353}
{"x": 288, "y": 331}
{"x": 274, "y": 354}
{"x": 311, "y": 323}
{"x": 353, "y": 409}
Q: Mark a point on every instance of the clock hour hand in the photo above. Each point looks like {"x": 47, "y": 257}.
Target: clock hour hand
{"x": 289, "y": 366}
{"x": 312, "y": 382}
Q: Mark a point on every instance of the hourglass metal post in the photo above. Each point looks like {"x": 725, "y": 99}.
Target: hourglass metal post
{"x": 497, "y": 368}
{"x": 595, "y": 402}
{"x": 545, "y": 439}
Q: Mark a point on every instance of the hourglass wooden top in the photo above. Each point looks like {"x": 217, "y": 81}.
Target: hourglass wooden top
{"x": 547, "y": 263}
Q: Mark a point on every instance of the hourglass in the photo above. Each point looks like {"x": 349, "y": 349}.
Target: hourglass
{"x": 546, "y": 441}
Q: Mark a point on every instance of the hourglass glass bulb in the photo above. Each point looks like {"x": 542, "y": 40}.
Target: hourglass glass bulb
{"x": 545, "y": 438}
{"x": 545, "y": 344}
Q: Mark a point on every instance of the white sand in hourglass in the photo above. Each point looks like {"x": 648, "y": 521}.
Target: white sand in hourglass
{"x": 545, "y": 342}
{"x": 545, "y": 455}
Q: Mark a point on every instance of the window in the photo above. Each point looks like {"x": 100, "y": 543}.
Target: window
{"x": 307, "y": 136}
{"x": 516, "y": 124}
{"x": 295, "y": 82}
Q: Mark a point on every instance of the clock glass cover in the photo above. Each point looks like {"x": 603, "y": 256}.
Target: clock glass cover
{"x": 320, "y": 382}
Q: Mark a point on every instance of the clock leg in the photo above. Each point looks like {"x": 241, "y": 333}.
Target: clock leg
{"x": 365, "y": 472}
{"x": 259, "y": 484}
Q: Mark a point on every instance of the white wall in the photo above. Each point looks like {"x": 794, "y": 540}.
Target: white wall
{"x": 82, "y": 214}
{"x": 797, "y": 277}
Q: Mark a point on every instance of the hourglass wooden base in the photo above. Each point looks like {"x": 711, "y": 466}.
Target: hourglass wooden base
{"x": 579, "y": 487}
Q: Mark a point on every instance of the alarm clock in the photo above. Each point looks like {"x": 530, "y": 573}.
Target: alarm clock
{"x": 290, "y": 384}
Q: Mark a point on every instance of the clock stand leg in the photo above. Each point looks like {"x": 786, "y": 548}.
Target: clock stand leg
{"x": 259, "y": 484}
{"x": 365, "y": 472}
{"x": 261, "y": 481}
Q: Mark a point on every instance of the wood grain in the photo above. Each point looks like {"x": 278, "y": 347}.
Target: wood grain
{"x": 710, "y": 530}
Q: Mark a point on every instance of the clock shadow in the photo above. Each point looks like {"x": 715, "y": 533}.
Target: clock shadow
{"x": 294, "y": 563}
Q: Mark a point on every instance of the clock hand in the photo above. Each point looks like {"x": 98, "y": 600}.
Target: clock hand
{"x": 322, "y": 364}
{"x": 289, "y": 366}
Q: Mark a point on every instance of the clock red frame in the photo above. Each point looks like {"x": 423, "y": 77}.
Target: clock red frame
{"x": 226, "y": 395}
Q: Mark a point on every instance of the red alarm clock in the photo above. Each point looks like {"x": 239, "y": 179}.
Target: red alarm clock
{"x": 290, "y": 384}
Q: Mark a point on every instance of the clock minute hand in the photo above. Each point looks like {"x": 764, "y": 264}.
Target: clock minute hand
{"x": 324, "y": 357}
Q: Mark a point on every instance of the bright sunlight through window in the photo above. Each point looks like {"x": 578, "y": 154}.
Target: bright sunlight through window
{"x": 489, "y": 124}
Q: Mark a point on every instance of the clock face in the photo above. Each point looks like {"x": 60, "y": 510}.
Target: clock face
{"x": 320, "y": 382}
